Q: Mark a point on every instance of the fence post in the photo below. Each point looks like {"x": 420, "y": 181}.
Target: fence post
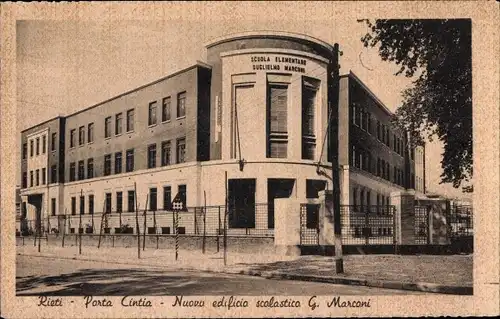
{"x": 156, "y": 230}
{"x": 218, "y": 233}
{"x": 176, "y": 224}
{"x": 367, "y": 224}
{"x": 144, "y": 233}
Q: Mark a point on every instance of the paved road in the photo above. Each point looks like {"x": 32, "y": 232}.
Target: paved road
{"x": 67, "y": 277}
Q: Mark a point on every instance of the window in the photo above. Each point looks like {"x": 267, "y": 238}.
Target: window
{"x": 308, "y": 137}
{"x": 153, "y": 199}
{"x": 118, "y": 124}
{"x": 277, "y": 121}
{"x": 165, "y": 109}
{"x": 167, "y": 198}
{"x": 53, "y": 206}
{"x": 181, "y": 150}
{"x": 130, "y": 160}
{"x": 25, "y": 150}
{"x": 107, "y": 127}
{"x": 368, "y": 198}
{"x": 119, "y": 202}
{"x": 31, "y": 178}
{"x": 182, "y": 193}
{"x": 181, "y": 104}
{"x": 387, "y": 171}
{"x": 107, "y": 201}
{"x": 165, "y": 153}
{"x": 81, "y": 170}
{"x": 53, "y": 142}
{"x": 37, "y": 180}
{"x": 37, "y": 146}
{"x": 152, "y": 113}
{"x": 130, "y": 120}
{"x": 107, "y": 164}
{"x": 82, "y": 205}
{"x": 91, "y": 204}
{"x": 44, "y": 176}
{"x": 72, "y": 171}
{"x": 44, "y": 144}
{"x": 118, "y": 162}
{"x": 31, "y": 148}
{"x": 72, "y": 138}
{"x": 152, "y": 156}
{"x": 90, "y": 168}
{"x": 90, "y": 133}
{"x": 73, "y": 205}
{"x": 131, "y": 201}
{"x": 81, "y": 135}
{"x": 25, "y": 180}
{"x": 53, "y": 174}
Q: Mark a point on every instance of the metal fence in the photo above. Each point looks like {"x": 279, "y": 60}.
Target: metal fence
{"x": 460, "y": 221}
{"x": 421, "y": 225}
{"x": 367, "y": 225}
{"x": 361, "y": 225}
{"x": 195, "y": 221}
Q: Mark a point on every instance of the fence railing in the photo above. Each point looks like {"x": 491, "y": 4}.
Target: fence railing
{"x": 210, "y": 220}
{"x": 460, "y": 221}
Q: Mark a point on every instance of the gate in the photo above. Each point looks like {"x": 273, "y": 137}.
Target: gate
{"x": 309, "y": 224}
{"x": 368, "y": 225}
{"x": 421, "y": 225}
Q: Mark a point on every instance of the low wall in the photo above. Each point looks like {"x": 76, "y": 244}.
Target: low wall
{"x": 459, "y": 247}
{"x": 250, "y": 245}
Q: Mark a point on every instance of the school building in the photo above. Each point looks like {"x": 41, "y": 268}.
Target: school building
{"x": 256, "y": 109}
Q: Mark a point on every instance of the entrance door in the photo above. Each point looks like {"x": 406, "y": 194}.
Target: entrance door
{"x": 241, "y": 193}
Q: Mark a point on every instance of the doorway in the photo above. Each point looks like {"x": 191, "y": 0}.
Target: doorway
{"x": 241, "y": 205}
{"x": 277, "y": 188}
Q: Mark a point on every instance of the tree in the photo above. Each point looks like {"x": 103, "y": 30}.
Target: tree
{"x": 439, "y": 104}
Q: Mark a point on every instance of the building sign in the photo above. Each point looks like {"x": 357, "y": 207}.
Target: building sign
{"x": 278, "y": 63}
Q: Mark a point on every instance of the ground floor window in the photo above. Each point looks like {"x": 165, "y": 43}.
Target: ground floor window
{"x": 277, "y": 188}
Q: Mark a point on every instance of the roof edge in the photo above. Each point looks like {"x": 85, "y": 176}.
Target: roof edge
{"x": 267, "y": 34}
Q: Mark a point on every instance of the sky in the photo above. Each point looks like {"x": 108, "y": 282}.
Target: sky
{"x": 65, "y": 66}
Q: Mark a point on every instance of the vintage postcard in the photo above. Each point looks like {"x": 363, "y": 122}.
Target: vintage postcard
{"x": 249, "y": 159}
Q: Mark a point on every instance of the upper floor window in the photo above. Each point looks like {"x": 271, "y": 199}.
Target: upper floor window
{"x": 72, "y": 171}
{"x": 31, "y": 178}
{"x": 165, "y": 153}
{"x": 81, "y": 135}
{"x": 53, "y": 174}
{"x": 308, "y": 109}
{"x": 37, "y": 146}
{"x": 130, "y": 120}
{"x": 44, "y": 176}
{"x": 129, "y": 166}
{"x": 165, "y": 109}
{"x": 118, "y": 124}
{"x": 25, "y": 150}
{"x": 81, "y": 170}
{"x": 25, "y": 180}
{"x": 44, "y": 144}
{"x": 118, "y": 162}
{"x": 152, "y": 156}
{"x": 90, "y": 168}
{"x": 152, "y": 113}
{"x": 181, "y": 104}
{"x": 107, "y": 164}
{"x": 90, "y": 133}
{"x": 31, "y": 148}
{"x": 107, "y": 127}
{"x": 72, "y": 138}
{"x": 277, "y": 121}
{"x": 181, "y": 150}
{"x": 53, "y": 141}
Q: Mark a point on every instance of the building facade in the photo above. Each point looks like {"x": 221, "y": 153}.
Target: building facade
{"x": 257, "y": 110}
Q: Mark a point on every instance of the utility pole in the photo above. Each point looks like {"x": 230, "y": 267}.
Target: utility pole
{"x": 333, "y": 98}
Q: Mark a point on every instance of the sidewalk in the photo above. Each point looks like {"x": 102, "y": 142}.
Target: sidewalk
{"x": 441, "y": 274}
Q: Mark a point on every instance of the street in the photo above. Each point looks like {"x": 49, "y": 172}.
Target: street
{"x": 67, "y": 277}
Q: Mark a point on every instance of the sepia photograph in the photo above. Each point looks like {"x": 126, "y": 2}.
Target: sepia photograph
{"x": 281, "y": 159}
